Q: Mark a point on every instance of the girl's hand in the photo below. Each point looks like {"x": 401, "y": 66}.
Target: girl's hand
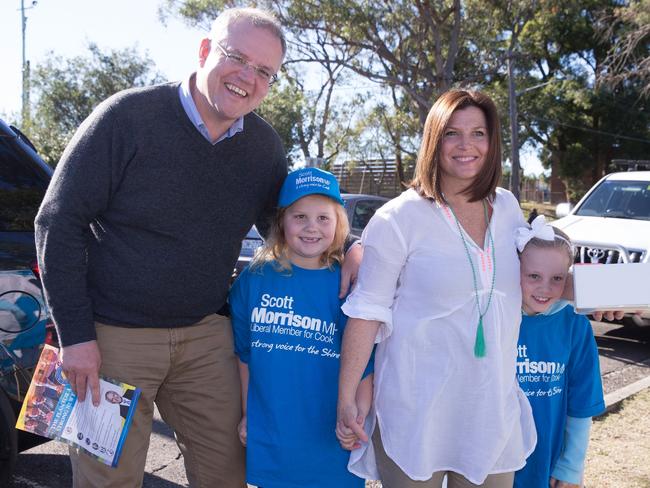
{"x": 347, "y": 423}
{"x": 562, "y": 484}
{"x": 364, "y": 398}
{"x": 346, "y": 437}
{"x": 242, "y": 430}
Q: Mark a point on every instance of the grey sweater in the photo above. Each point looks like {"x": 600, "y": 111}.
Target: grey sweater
{"x": 142, "y": 223}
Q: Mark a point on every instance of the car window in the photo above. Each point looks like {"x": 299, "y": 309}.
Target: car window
{"x": 21, "y": 188}
{"x": 363, "y": 212}
{"x": 620, "y": 199}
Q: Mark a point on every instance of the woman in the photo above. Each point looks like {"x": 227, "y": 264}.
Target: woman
{"x": 438, "y": 289}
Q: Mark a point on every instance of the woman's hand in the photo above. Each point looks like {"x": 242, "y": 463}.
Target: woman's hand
{"x": 348, "y": 428}
{"x": 347, "y": 438}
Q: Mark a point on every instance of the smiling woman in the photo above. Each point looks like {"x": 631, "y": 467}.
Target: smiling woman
{"x": 438, "y": 290}
{"x": 465, "y": 144}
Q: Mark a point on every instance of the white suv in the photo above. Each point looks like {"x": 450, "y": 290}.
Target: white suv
{"x": 611, "y": 223}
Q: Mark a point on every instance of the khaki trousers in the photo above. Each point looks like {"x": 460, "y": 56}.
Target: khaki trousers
{"x": 191, "y": 374}
{"x": 393, "y": 477}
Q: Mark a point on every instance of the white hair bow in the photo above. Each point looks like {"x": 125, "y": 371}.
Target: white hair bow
{"x": 538, "y": 228}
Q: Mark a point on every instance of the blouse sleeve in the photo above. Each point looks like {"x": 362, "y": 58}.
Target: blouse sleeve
{"x": 384, "y": 256}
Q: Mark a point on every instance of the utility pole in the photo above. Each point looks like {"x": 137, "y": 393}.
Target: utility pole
{"x": 25, "y": 107}
{"x": 517, "y": 26}
{"x": 514, "y": 125}
{"x": 514, "y": 129}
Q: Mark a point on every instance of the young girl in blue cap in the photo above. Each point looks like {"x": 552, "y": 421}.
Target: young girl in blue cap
{"x": 288, "y": 328}
{"x": 557, "y": 364}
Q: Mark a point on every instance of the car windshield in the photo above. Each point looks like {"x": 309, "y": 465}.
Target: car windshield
{"x": 618, "y": 199}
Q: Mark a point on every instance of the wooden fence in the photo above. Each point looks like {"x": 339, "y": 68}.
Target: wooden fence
{"x": 373, "y": 177}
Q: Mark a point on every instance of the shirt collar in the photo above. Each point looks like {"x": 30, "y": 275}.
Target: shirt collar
{"x": 192, "y": 112}
{"x": 556, "y": 307}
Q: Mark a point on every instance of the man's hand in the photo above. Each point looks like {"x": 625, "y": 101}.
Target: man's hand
{"x": 350, "y": 269}
{"x": 80, "y": 364}
{"x": 608, "y": 315}
{"x": 242, "y": 430}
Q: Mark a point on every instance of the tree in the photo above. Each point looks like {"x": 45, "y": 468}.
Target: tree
{"x": 411, "y": 45}
{"x": 310, "y": 119}
{"x": 67, "y": 90}
{"x": 578, "y": 124}
{"x": 415, "y": 49}
{"x": 628, "y": 59}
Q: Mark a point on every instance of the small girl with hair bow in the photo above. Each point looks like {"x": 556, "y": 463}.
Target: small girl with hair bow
{"x": 557, "y": 364}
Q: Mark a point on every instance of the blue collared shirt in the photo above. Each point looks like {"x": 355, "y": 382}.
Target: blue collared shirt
{"x": 192, "y": 112}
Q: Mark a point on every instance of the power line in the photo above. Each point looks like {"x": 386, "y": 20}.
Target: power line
{"x": 594, "y": 131}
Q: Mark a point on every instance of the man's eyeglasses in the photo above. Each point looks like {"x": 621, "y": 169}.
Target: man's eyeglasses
{"x": 262, "y": 73}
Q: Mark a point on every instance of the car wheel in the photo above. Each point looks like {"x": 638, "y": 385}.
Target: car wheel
{"x": 8, "y": 440}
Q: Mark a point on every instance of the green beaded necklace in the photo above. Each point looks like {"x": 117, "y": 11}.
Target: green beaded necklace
{"x": 479, "y": 343}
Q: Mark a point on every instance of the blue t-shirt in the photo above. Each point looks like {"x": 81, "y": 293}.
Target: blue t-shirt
{"x": 558, "y": 370}
{"x": 288, "y": 329}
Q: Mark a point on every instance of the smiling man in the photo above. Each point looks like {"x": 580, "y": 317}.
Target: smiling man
{"x": 137, "y": 238}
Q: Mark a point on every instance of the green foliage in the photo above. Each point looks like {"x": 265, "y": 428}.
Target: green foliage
{"x": 18, "y": 208}
{"x": 283, "y": 109}
{"x": 411, "y": 46}
{"x": 416, "y": 49}
{"x": 628, "y": 58}
{"x": 312, "y": 122}
{"x": 67, "y": 90}
{"x": 196, "y": 12}
{"x": 574, "y": 120}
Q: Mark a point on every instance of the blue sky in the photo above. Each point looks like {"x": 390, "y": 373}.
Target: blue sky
{"x": 65, "y": 27}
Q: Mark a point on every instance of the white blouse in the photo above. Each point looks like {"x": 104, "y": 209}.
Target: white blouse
{"x": 438, "y": 406}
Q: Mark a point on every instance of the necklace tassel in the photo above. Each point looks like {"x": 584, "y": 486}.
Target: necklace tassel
{"x": 479, "y": 344}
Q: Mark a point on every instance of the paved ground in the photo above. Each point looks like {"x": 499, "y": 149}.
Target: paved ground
{"x": 624, "y": 359}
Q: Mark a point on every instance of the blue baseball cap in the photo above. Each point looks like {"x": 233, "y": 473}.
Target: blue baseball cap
{"x": 309, "y": 181}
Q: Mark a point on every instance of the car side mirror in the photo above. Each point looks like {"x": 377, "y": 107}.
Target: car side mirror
{"x": 562, "y": 210}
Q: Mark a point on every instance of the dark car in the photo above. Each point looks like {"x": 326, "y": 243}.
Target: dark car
{"x": 360, "y": 209}
{"x": 249, "y": 245}
{"x": 24, "y": 318}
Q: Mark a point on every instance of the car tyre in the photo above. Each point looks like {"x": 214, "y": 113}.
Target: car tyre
{"x": 8, "y": 440}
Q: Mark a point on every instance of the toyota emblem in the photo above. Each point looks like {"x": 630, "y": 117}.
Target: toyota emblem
{"x": 595, "y": 255}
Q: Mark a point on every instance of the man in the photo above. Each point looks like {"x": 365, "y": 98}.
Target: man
{"x": 122, "y": 401}
{"x": 137, "y": 238}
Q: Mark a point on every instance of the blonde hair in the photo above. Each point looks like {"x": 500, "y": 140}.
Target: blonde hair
{"x": 275, "y": 247}
{"x": 561, "y": 241}
{"x": 427, "y": 168}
